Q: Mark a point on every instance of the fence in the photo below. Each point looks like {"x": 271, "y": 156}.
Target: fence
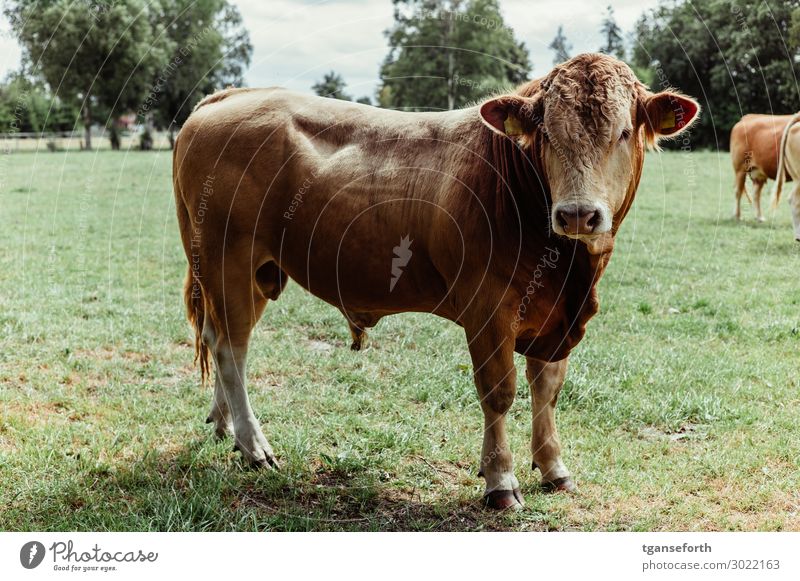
{"x": 73, "y": 141}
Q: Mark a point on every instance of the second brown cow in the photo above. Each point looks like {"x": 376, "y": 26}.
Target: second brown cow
{"x": 754, "y": 145}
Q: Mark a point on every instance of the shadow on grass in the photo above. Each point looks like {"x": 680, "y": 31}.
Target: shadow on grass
{"x": 204, "y": 486}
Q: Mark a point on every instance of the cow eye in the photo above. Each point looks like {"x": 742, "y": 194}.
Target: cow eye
{"x": 626, "y": 133}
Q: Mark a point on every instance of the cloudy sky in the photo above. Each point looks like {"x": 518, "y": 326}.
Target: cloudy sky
{"x": 297, "y": 41}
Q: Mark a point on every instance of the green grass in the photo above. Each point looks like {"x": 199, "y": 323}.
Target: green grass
{"x": 680, "y": 411}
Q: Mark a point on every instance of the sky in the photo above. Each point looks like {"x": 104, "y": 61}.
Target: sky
{"x": 296, "y": 41}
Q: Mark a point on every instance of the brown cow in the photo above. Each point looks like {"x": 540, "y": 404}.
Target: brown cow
{"x": 754, "y": 152}
{"x": 789, "y": 168}
{"x": 499, "y": 217}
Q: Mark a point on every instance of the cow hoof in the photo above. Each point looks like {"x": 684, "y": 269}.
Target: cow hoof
{"x": 355, "y": 345}
{"x": 564, "y": 484}
{"x": 504, "y": 499}
{"x": 265, "y": 459}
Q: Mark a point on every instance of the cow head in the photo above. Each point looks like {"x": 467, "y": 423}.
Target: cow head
{"x": 593, "y": 119}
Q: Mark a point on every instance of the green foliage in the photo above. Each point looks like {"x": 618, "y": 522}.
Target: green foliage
{"x": 154, "y": 58}
{"x": 447, "y": 53}
{"x": 730, "y": 54}
{"x": 100, "y": 56}
{"x": 27, "y": 107}
{"x": 114, "y": 137}
{"x": 794, "y": 31}
{"x": 560, "y": 47}
{"x": 146, "y": 140}
{"x": 332, "y": 85}
{"x": 613, "y": 42}
{"x": 237, "y": 48}
{"x": 207, "y": 49}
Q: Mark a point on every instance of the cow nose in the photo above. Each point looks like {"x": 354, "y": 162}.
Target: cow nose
{"x": 576, "y": 219}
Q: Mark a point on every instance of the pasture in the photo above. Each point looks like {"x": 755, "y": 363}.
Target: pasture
{"x": 680, "y": 411}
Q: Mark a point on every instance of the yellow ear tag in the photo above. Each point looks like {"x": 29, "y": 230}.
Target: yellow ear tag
{"x": 668, "y": 121}
{"x": 512, "y": 126}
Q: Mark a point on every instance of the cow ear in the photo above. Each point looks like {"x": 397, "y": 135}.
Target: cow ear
{"x": 512, "y": 115}
{"x": 667, "y": 114}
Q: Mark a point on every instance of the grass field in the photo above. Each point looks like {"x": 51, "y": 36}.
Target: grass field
{"x": 680, "y": 411}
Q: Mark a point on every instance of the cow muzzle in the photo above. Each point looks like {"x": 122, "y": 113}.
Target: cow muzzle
{"x": 580, "y": 219}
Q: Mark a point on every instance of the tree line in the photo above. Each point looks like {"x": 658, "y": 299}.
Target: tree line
{"x": 735, "y": 56}
{"x": 445, "y": 54}
{"x": 92, "y": 61}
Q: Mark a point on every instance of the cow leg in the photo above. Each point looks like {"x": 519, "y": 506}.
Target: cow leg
{"x": 794, "y": 202}
{"x": 237, "y": 310}
{"x": 220, "y": 414}
{"x": 546, "y": 380}
{"x": 740, "y": 190}
{"x": 231, "y": 362}
{"x": 495, "y": 378}
{"x": 759, "y": 185}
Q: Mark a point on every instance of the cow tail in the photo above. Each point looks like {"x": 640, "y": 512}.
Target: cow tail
{"x": 780, "y": 177}
{"x": 196, "y": 312}
{"x": 193, "y": 294}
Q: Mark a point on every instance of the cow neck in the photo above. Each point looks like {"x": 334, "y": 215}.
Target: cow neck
{"x": 522, "y": 198}
{"x": 522, "y": 204}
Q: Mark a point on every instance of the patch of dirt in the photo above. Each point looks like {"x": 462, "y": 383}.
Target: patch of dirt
{"x": 685, "y": 432}
{"x": 6, "y": 442}
{"x": 38, "y": 413}
{"x": 592, "y": 508}
{"x": 111, "y": 354}
{"x": 452, "y": 473}
{"x": 100, "y": 353}
{"x": 266, "y": 379}
{"x": 321, "y": 347}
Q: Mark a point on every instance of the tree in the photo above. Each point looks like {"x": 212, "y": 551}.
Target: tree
{"x": 640, "y": 60}
{"x": 447, "y": 53}
{"x": 27, "y": 107}
{"x": 332, "y": 85}
{"x": 613, "y": 43}
{"x": 794, "y": 30}
{"x": 237, "y": 48}
{"x": 560, "y": 47}
{"x": 156, "y": 58}
{"x": 101, "y": 57}
{"x": 207, "y": 49}
{"x": 730, "y": 54}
